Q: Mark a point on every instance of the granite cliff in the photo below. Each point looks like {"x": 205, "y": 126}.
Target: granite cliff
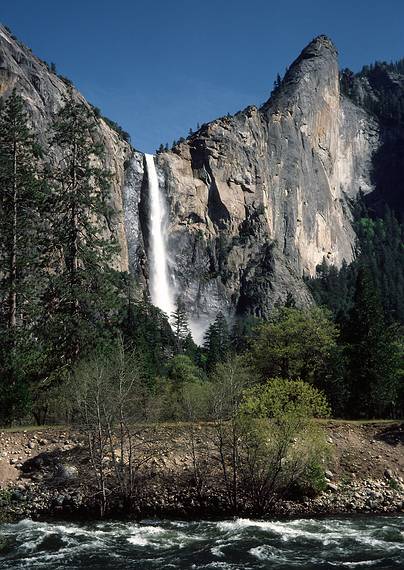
{"x": 258, "y": 199}
{"x": 255, "y": 200}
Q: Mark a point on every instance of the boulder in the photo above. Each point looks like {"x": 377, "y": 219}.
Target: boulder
{"x": 64, "y": 474}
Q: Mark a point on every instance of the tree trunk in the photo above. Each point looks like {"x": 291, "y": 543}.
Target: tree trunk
{"x": 13, "y": 257}
{"x": 73, "y": 253}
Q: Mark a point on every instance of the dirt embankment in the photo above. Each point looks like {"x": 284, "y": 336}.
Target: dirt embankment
{"x": 365, "y": 472}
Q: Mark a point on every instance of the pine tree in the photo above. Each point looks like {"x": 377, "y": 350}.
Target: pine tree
{"x": 20, "y": 223}
{"x": 179, "y": 323}
{"x": 217, "y": 341}
{"x": 146, "y": 331}
{"x": 82, "y": 291}
{"x": 372, "y": 353}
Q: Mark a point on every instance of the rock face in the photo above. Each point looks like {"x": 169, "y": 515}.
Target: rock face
{"x": 381, "y": 87}
{"x": 43, "y": 92}
{"x": 257, "y": 200}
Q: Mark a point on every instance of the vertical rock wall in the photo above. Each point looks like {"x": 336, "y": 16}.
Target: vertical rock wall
{"x": 257, "y": 200}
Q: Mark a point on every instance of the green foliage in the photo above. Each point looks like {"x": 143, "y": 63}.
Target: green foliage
{"x": 21, "y": 252}
{"x": 59, "y": 297}
{"x": 296, "y": 343}
{"x": 312, "y": 481}
{"x": 195, "y": 400}
{"x": 184, "y": 380}
{"x": 81, "y": 293}
{"x": 366, "y": 298}
{"x": 217, "y": 342}
{"x": 182, "y": 370}
{"x": 373, "y": 357}
{"x": 20, "y": 213}
{"x": 380, "y": 250}
{"x": 179, "y": 323}
{"x": 146, "y": 330}
{"x": 243, "y": 332}
{"x": 282, "y": 447}
{"x": 386, "y": 101}
{"x": 279, "y": 397}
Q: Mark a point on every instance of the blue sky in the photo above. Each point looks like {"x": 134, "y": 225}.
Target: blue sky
{"x": 159, "y": 67}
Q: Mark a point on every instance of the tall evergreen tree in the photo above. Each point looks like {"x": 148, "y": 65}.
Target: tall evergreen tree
{"x": 147, "y": 332}
{"x": 179, "y": 323}
{"x": 372, "y": 353}
{"x": 19, "y": 210}
{"x": 81, "y": 296}
{"x": 217, "y": 341}
{"x": 20, "y": 223}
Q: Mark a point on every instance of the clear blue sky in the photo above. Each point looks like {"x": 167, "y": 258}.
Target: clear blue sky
{"x": 159, "y": 67}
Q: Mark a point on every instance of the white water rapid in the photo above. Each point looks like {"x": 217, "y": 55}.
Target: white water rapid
{"x": 160, "y": 288}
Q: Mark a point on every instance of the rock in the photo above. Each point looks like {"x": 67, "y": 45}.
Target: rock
{"x": 388, "y": 473}
{"x": 31, "y": 445}
{"x": 329, "y": 474}
{"x": 332, "y": 486}
{"x": 59, "y": 500}
{"x": 65, "y": 473}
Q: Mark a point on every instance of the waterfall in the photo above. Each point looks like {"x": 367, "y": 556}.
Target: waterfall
{"x": 160, "y": 289}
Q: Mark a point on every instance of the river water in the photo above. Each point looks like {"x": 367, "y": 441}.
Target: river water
{"x": 366, "y": 542}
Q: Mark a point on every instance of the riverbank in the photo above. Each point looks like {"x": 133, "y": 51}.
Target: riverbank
{"x": 47, "y": 473}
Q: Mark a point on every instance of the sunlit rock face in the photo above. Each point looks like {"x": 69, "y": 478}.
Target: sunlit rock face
{"x": 257, "y": 200}
{"x": 44, "y": 93}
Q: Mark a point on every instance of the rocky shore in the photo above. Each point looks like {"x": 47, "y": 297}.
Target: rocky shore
{"x": 46, "y": 473}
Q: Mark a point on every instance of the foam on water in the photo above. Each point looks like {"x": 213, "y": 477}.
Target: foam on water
{"x": 232, "y": 544}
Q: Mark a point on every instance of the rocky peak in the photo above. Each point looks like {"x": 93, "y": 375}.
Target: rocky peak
{"x": 319, "y": 46}
{"x": 314, "y": 74}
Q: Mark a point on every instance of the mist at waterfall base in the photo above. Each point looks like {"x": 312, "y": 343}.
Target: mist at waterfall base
{"x": 356, "y": 542}
{"x": 162, "y": 288}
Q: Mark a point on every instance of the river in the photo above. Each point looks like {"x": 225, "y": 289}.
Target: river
{"x": 357, "y": 542}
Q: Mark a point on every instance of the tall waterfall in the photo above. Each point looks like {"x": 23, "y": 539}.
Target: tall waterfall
{"x": 160, "y": 289}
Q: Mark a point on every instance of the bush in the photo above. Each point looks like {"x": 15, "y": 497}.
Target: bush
{"x": 282, "y": 447}
{"x": 279, "y": 398}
